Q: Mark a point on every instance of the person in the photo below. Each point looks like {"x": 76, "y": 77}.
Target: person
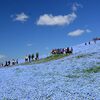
{"x": 89, "y": 42}
{"x": 32, "y": 56}
{"x": 8, "y": 63}
{"x": 71, "y": 50}
{"x": 26, "y": 58}
{"x": 67, "y": 50}
{"x": 17, "y": 61}
{"x": 85, "y": 43}
{"x": 29, "y": 58}
{"x": 13, "y": 62}
{"x": 37, "y": 56}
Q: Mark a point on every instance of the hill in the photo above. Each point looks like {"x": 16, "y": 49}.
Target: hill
{"x": 76, "y": 77}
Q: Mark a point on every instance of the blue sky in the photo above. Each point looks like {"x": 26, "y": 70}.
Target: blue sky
{"x": 30, "y": 26}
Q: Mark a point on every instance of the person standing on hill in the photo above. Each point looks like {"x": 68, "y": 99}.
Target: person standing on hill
{"x": 71, "y": 50}
{"x": 32, "y": 56}
{"x": 26, "y": 58}
{"x": 89, "y": 43}
{"x": 29, "y": 58}
{"x": 13, "y": 61}
{"x": 17, "y": 61}
{"x": 8, "y": 63}
{"x": 37, "y": 56}
{"x": 67, "y": 50}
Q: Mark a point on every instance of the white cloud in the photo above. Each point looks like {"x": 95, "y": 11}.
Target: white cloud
{"x": 75, "y": 6}
{"x": 29, "y": 45}
{"x": 78, "y": 32}
{"x": 22, "y": 17}
{"x": 49, "y": 19}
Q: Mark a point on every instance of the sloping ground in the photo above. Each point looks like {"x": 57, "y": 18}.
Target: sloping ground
{"x": 63, "y": 79}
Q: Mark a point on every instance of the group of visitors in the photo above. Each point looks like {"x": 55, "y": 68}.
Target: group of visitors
{"x": 62, "y": 51}
{"x": 94, "y": 40}
{"x": 31, "y": 57}
{"x": 88, "y": 43}
{"x": 9, "y": 63}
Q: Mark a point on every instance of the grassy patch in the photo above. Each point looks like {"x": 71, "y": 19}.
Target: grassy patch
{"x": 50, "y": 58}
{"x": 95, "y": 69}
{"x": 83, "y": 56}
{"x": 47, "y": 59}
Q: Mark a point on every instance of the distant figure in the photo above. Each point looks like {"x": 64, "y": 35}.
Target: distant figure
{"x": 29, "y": 57}
{"x": 85, "y": 43}
{"x": 89, "y": 43}
{"x": 32, "y": 56}
{"x": 26, "y": 58}
{"x": 13, "y": 62}
{"x": 8, "y": 63}
{"x": 17, "y": 61}
{"x": 71, "y": 50}
{"x": 67, "y": 50}
{"x": 37, "y": 56}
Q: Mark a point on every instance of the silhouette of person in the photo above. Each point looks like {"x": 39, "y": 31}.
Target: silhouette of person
{"x": 17, "y": 61}
{"x": 71, "y": 50}
{"x": 37, "y": 56}
{"x": 29, "y": 57}
{"x": 13, "y": 62}
{"x": 85, "y": 43}
{"x": 26, "y": 58}
{"x": 32, "y": 56}
{"x": 68, "y": 50}
{"x": 89, "y": 43}
{"x": 8, "y": 63}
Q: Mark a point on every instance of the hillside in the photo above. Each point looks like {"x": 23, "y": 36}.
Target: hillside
{"x": 76, "y": 77}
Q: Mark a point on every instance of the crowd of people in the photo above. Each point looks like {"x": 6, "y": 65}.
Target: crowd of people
{"x": 31, "y": 57}
{"x": 9, "y": 63}
{"x": 28, "y": 58}
{"x": 62, "y": 51}
{"x": 94, "y": 40}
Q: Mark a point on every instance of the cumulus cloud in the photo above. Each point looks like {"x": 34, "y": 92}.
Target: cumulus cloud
{"x": 49, "y": 19}
{"x": 78, "y": 32}
{"x": 22, "y": 17}
{"x": 75, "y": 6}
